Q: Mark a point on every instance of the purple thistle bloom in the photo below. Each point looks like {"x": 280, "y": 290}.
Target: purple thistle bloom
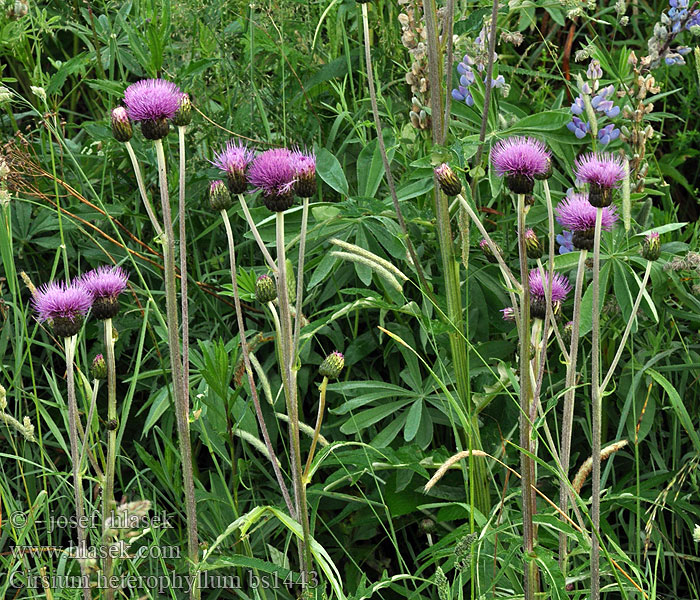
{"x": 304, "y": 164}
{"x": 520, "y": 160}
{"x": 538, "y": 292}
{"x": 602, "y": 171}
{"x": 65, "y": 305}
{"x": 578, "y": 215}
{"x": 104, "y": 285}
{"x": 234, "y": 160}
{"x": 273, "y": 173}
{"x": 152, "y": 102}
{"x": 565, "y": 241}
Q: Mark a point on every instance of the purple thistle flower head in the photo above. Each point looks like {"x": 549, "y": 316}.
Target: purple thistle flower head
{"x": 65, "y": 305}
{"x": 304, "y": 163}
{"x": 602, "y": 171}
{"x": 520, "y": 160}
{"x": 578, "y": 215}
{"x": 273, "y": 173}
{"x": 234, "y": 160}
{"x": 538, "y": 292}
{"x": 104, "y": 285}
{"x": 152, "y": 102}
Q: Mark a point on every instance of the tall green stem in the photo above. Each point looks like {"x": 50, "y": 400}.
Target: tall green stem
{"x": 317, "y": 429}
{"x": 184, "y": 302}
{"x": 292, "y": 404}
{"x": 69, "y": 344}
{"x": 142, "y": 190}
{"x": 181, "y": 400}
{"x": 108, "y": 503}
{"x": 530, "y": 572}
{"x": 596, "y": 411}
{"x": 246, "y": 361}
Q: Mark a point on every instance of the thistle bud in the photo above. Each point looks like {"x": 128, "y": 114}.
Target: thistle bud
{"x": 567, "y": 331}
{"x": 488, "y": 253}
{"x": 183, "y": 116}
{"x": 533, "y": 247}
{"x": 265, "y": 289}
{"x": 219, "y": 196}
{"x": 332, "y": 365}
{"x": 121, "y": 125}
{"x": 508, "y": 313}
{"x": 448, "y": 180}
{"x": 651, "y": 247}
{"x": 548, "y": 173}
{"x": 98, "y": 369}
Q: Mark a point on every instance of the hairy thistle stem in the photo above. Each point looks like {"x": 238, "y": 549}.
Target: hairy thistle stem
{"x": 108, "y": 503}
{"x": 181, "y": 399}
{"x": 249, "y": 371}
{"x": 142, "y": 190}
{"x": 317, "y": 429}
{"x": 69, "y": 344}
{"x": 184, "y": 302}
{"x": 596, "y": 411}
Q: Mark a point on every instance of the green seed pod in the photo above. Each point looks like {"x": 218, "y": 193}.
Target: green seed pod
{"x": 265, "y": 289}
{"x": 332, "y": 365}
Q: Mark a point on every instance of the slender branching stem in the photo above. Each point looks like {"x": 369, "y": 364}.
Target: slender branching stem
{"x": 596, "y": 412}
{"x": 628, "y": 329}
{"x": 69, "y": 345}
{"x": 292, "y": 405}
{"x": 246, "y": 361}
{"x": 184, "y": 301}
{"x": 108, "y": 503}
{"x": 142, "y": 190}
{"x": 317, "y": 429}
{"x": 525, "y": 400}
{"x": 181, "y": 399}
{"x": 385, "y": 159}
{"x": 256, "y": 234}
{"x": 569, "y": 395}
{"x": 85, "y": 437}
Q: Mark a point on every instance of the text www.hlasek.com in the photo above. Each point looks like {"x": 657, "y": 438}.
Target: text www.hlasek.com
{"x": 114, "y": 551}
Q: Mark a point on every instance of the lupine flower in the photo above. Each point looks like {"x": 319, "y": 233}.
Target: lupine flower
{"x": 538, "y": 292}
{"x": 508, "y": 313}
{"x": 601, "y": 103}
{"x": 105, "y": 284}
{"x": 520, "y": 159}
{"x": 332, "y": 365}
{"x": 448, "y": 180}
{"x": 272, "y": 172}
{"x": 565, "y": 241}
{"x": 467, "y": 77}
{"x": 234, "y": 160}
{"x": 64, "y": 305}
{"x": 651, "y": 247}
{"x": 608, "y": 133}
{"x": 602, "y": 171}
{"x": 121, "y": 125}
{"x": 304, "y": 164}
{"x": 576, "y": 214}
{"x": 153, "y": 102}
{"x": 594, "y": 70}
{"x": 578, "y": 127}
{"x": 219, "y": 196}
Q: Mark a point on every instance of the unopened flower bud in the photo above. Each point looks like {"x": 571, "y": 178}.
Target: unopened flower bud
{"x": 533, "y": 246}
{"x": 508, "y": 313}
{"x": 548, "y": 173}
{"x": 567, "y": 331}
{"x": 488, "y": 253}
{"x": 98, "y": 369}
{"x": 265, "y": 289}
{"x": 448, "y": 180}
{"x": 651, "y": 247}
{"x": 219, "y": 196}
{"x": 121, "y": 125}
{"x": 332, "y": 365}
{"x": 183, "y": 116}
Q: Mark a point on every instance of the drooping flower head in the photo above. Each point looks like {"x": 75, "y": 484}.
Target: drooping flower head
{"x": 538, "y": 292}
{"x": 273, "y": 173}
{"x": 305, "y": 172}
{"x": 576, "y": 214}
{"x": 104, "y": 285}
{"x": 521, "y": 160}
{"x": 448, "y": 180}
{"x": 64, "y": 305}
{"x": 153, "y": 102}
{"x": 219, "y": 196}
{"x": 121, "y": 125}
{"x": 603, "y": 172}
{"x": 234, "y": 160}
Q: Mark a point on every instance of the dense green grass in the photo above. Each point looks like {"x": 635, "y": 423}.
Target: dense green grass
{"x": 286, "y": 73}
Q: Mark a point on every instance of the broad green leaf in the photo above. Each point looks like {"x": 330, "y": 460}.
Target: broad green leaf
{"x": 413, "y": 420}
{"x": 679, "y": 408}
{"x": 329, "y": 169}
